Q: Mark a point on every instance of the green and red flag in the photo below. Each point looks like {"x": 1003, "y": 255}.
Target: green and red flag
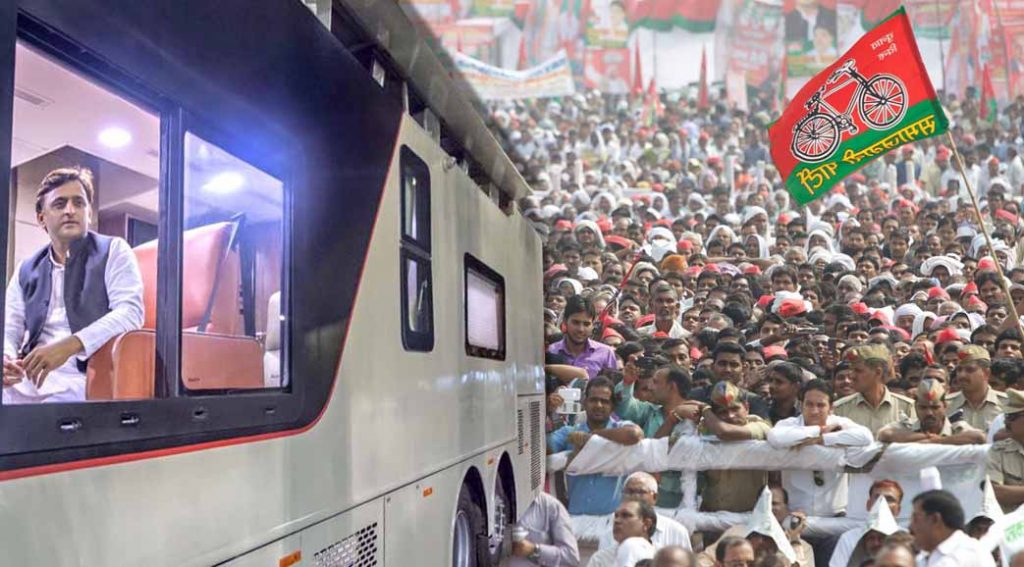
{"x": 988, "y": 96}
{"x": 696, "y": 16}
{"x": 875, "y": 97}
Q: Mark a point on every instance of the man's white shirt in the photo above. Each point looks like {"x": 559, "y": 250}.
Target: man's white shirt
{"x": 67, "y": 383}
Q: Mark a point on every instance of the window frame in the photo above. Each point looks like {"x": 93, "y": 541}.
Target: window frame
{"x": 38, "y": 434}
{"x": 473, "y": 264}
{"x": 416, "y": 250}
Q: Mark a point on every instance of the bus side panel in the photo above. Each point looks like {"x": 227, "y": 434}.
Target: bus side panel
{"x": 355, "y": 537}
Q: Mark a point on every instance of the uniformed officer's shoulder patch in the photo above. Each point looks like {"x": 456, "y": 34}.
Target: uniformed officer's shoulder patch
{"x": 1000, "y": 395}
{"x": 844, "y": 400}
{"x": 957, "y": 397}
{"x": 1006, "y": 445}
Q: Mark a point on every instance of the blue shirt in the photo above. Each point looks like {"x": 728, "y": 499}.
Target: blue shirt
{"x": 591, "y": 494}
{"x": 595, "y": 357}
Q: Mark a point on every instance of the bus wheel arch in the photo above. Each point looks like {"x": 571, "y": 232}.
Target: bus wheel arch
{"x": 469, "y": 524}
{"x": 503, "y": 512}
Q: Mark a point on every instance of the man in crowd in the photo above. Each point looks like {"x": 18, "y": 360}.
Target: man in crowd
{"x": 634, "y": 524}
{"x": 858, "y": 544}
{"x": 932, "y": 425}
{"x": 595, "y": 494}
{"x": 578, "y": 346}
{"x": 550, "y": 540}
{"x": 1006, "y": 457}
{"x": 874, "y": 406}
{"x": 728, "y": 418}
{"x": 937, "y": 523}
{"x": 643, "y": 487}
{"x": 978, "y": 402}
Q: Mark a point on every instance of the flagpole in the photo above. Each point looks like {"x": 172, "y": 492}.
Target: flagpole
{"x": 988, "y": 239}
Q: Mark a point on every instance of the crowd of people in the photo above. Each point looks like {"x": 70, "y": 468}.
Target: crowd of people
{"x": 685, "y": 294}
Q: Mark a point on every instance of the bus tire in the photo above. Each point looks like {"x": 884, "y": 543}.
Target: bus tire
{"x": 469, "y": 536}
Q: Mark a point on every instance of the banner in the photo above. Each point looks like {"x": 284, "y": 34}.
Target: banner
{"x": 606, "y": 70}
{"x": 493, "y": 8}
{"x": 1002, "y": 44}
{"x": 874, "y": 98}
{"x": 749, "y": 33}
{"x": 607, "y": 25}
{"x": 811, "y": 33}
{"x": 697, "y": 16}
{"x": 550, "y": 79}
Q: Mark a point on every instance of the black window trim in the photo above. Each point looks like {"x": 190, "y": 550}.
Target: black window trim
{"x": 416, "y": 250}
{"x": 49, "y": 433}
{"x": 473, "y": 264}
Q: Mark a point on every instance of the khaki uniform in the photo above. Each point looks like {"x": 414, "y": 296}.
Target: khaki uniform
{"x": 948, "y": 429}
{"x": 893, "y": 409}
{"x": 980, "y": 418}
{"x": 737, "y": 491}
{"x": 1006, "y": 465}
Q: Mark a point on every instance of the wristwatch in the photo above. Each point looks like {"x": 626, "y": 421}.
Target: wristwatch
{"x": 534, "y": 556}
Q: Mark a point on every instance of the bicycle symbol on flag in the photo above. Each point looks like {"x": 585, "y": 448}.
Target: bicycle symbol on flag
{"x": 881, "y": 102}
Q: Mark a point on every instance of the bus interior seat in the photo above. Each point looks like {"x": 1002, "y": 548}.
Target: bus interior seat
{"x": 215, "y": 354}
{"x": 272, "y": 343}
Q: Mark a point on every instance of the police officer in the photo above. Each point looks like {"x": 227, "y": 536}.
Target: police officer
{"x": 874, "y": 406}
{"x": 931, "y": 425}
{"x": 1006, "y": 458}
{"x": 980, "y": 403}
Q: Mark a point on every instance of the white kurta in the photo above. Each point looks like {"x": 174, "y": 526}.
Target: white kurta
{"x": 66, "y": 384}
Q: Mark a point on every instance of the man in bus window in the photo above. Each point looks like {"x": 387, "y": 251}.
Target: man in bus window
{"x": 68, "y": 299}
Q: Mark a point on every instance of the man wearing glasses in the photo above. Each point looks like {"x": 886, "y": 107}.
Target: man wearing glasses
{"x": 642, "y": 487}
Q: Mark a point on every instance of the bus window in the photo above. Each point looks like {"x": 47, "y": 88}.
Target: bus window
{"x": 416, "y": 280}
{"x": 84, "y": 197}
{"x": 232, "y": 270}
{"x": 485, "y": 311}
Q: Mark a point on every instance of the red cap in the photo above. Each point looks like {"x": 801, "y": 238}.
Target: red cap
{"x": 620, "y": 241}
{"x": 783, "y": 218}
{"x": 684, "y": 246}
{"x": 775, "y": 351}
{"x": 713, "y": 268}
{"x": 970, "y": 289}
{"x": 942, "y": 153}
{"x": 986, "y": 263}
{"x": 975, "y": 301}
{"x": 765, "y": 301}
{"x": 937, "y": 292}
{"x": 610, "y": 332}
{"x": 947, "y": 335}
{"x": 881, "y": 317}
{"x": 658, "y": 188}
{"x": 1006, "y": 216}
{"x": 693, "y": 271}
{"x": 860, "y": 308}
{"x": 663, "y": 222}
{"x": 563, "y": 225}
{"x": 660, "y": 335}
{"x": 752, "y": 269}
{"x": 791, "y": 308}
{"x": 604, "y": 225}
{"x": 904, "y": 335}
{"x": 645, "y": 320}
{"x": 554, "y": 270}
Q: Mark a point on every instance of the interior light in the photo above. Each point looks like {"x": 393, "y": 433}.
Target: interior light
{"x": 115, "y": 137}
{"x": 225, "y": 182}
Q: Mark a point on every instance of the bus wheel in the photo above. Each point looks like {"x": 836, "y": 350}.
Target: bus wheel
{"x": 499, "y": 544}
{"x": 469, "y": 538}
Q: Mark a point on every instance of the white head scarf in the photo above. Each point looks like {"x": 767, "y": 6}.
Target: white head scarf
{"x": 953, "y": 266}
{"x": 763, "y": 522}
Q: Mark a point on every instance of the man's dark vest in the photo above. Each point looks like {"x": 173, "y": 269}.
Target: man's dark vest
{"x": 85, "y": 287}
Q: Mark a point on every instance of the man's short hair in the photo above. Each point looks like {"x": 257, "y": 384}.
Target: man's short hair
{"x": 672, "y": 343}
{"x": 598, "y": 382}
{"x": 59, "y": 177}
{"x": 678, "y": 377}
{"x": 944, "y": 504}
{"x": 818, "y": 385}
{"x": 727, "y": 543}
{"x": 789, "y": 371}
{"x": 884, "y": 484}
{"x": 579, "y": 304}
{"x": 728, "y": 348}
{"x": 647, "y": 513}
